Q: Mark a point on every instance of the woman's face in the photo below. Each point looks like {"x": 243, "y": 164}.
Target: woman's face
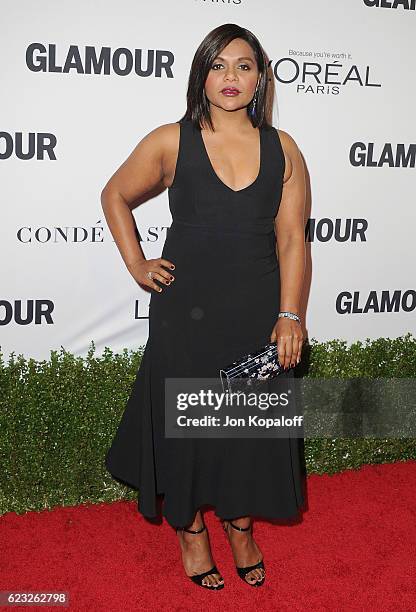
{"x": 234, "y": 68}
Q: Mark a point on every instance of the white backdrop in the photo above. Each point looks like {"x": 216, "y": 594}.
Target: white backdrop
{"x": 345, "y": 91}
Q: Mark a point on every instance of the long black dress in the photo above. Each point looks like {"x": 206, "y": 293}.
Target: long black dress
{"x": 222, "y": 304}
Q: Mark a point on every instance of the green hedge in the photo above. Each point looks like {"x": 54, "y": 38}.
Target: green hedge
{"x": 58, "y": 417}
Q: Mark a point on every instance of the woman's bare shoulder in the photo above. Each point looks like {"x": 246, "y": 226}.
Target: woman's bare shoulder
{"x": 165, "y": 135}
{"x": 165, "y": 139}
{"x": 288, "y": 142}
{"x": 291, "y": 152}
{"x": 148, "y": 163}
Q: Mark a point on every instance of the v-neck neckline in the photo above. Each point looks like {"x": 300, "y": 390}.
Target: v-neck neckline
{"x": 253, "y": 183}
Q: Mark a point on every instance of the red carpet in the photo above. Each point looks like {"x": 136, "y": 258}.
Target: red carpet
{"x": 354, "y": 550}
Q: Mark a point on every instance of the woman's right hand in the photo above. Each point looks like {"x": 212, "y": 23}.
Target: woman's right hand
{"x": 140, "y": 270}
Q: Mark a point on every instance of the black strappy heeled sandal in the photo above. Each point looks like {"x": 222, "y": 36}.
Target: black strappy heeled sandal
{"x": 243, "y": 571}
{"x": 199, "y": 577}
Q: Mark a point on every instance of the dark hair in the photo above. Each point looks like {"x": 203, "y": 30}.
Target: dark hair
{"x": 198, "y": 110}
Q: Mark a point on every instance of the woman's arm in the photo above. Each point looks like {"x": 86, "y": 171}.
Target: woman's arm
{"x": 145, "y": 169}
{"x": 290, "y": 238}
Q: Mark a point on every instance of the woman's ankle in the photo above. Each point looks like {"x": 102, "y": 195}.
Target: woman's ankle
{"x": 242, "y": 521}
{"x": 197, "y": 523}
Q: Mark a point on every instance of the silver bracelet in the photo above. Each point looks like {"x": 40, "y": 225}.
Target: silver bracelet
{"x": 289, "y": 315}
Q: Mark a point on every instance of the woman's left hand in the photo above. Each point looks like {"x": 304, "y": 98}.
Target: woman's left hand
{"x": 288, "y": 335}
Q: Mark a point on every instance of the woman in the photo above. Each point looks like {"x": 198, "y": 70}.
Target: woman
{"x": 236, "y": 185}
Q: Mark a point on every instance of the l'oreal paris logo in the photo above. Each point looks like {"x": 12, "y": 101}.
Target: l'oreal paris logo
{"x": 321, "y": 78}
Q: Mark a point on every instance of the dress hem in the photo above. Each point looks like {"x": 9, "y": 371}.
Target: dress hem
{"x": 224, "y": 515}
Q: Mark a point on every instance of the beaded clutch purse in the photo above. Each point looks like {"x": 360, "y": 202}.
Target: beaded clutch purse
{"x": 252, "y": 369}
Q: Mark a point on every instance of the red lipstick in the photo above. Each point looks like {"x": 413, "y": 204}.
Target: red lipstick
{"x": 230, "y": 91}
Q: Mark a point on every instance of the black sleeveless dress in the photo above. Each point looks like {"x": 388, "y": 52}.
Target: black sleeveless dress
{"x": 222, "y": 304}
